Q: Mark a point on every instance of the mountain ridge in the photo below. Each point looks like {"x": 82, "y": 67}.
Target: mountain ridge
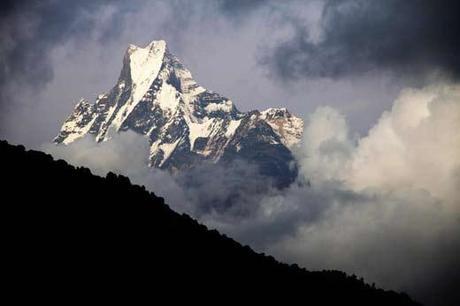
{"x": 156, "y": 96}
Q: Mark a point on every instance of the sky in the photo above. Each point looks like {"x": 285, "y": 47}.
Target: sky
{"x": 298, "y": 54}
{"x": 375, "y": 81}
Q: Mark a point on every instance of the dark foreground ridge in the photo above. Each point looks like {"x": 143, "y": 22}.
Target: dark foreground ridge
{"x": 72, "y": 236}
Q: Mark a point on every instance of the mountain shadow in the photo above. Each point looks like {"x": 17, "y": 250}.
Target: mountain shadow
{"x": 70, "y": 236}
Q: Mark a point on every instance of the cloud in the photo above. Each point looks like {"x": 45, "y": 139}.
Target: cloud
{"x": 384, "y": 206}
{"x": 413, "y": 143}
{"x": 126, "y": 153}
{"x": 231, "y": 195}
{"x": 398, "y": 224}
{"x": 410, "y": 39}
{"x": 31, "y": 29}
{"x": 236, "y": 8}
{"x": 31, "y": 32}
{"x": 328, "y": 146}
{"x": 405, "y": 240}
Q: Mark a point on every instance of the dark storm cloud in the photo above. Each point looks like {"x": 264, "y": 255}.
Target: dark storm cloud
{"x": 402, "y": 37}
{"x": 29, "y": 29}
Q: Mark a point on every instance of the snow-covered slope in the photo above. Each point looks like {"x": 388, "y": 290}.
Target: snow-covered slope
{"x": 156, "y": 96}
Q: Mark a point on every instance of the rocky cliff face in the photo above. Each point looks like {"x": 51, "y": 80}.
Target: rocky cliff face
{"x": 185, "y": 123}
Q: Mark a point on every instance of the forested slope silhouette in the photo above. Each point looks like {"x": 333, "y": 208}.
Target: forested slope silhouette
{"x": 71, "y": 236}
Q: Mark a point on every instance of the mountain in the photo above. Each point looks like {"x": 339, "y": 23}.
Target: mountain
{"x": 185, "y": 123}
{"x": 71, "y": 237}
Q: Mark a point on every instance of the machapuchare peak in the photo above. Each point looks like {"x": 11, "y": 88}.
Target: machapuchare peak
{"x": 185, "y": 123}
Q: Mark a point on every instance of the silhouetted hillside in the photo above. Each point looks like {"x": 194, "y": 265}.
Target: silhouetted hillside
{"x": 72, "y": 236}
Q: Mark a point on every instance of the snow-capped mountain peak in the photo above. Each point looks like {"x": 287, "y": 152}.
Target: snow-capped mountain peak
{"x": 156, "y": 96}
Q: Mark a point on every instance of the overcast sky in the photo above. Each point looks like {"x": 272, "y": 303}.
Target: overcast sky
{"x": 352, "y": 55}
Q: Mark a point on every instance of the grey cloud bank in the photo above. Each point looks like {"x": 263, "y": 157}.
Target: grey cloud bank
{"x": 406, "y": 38}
